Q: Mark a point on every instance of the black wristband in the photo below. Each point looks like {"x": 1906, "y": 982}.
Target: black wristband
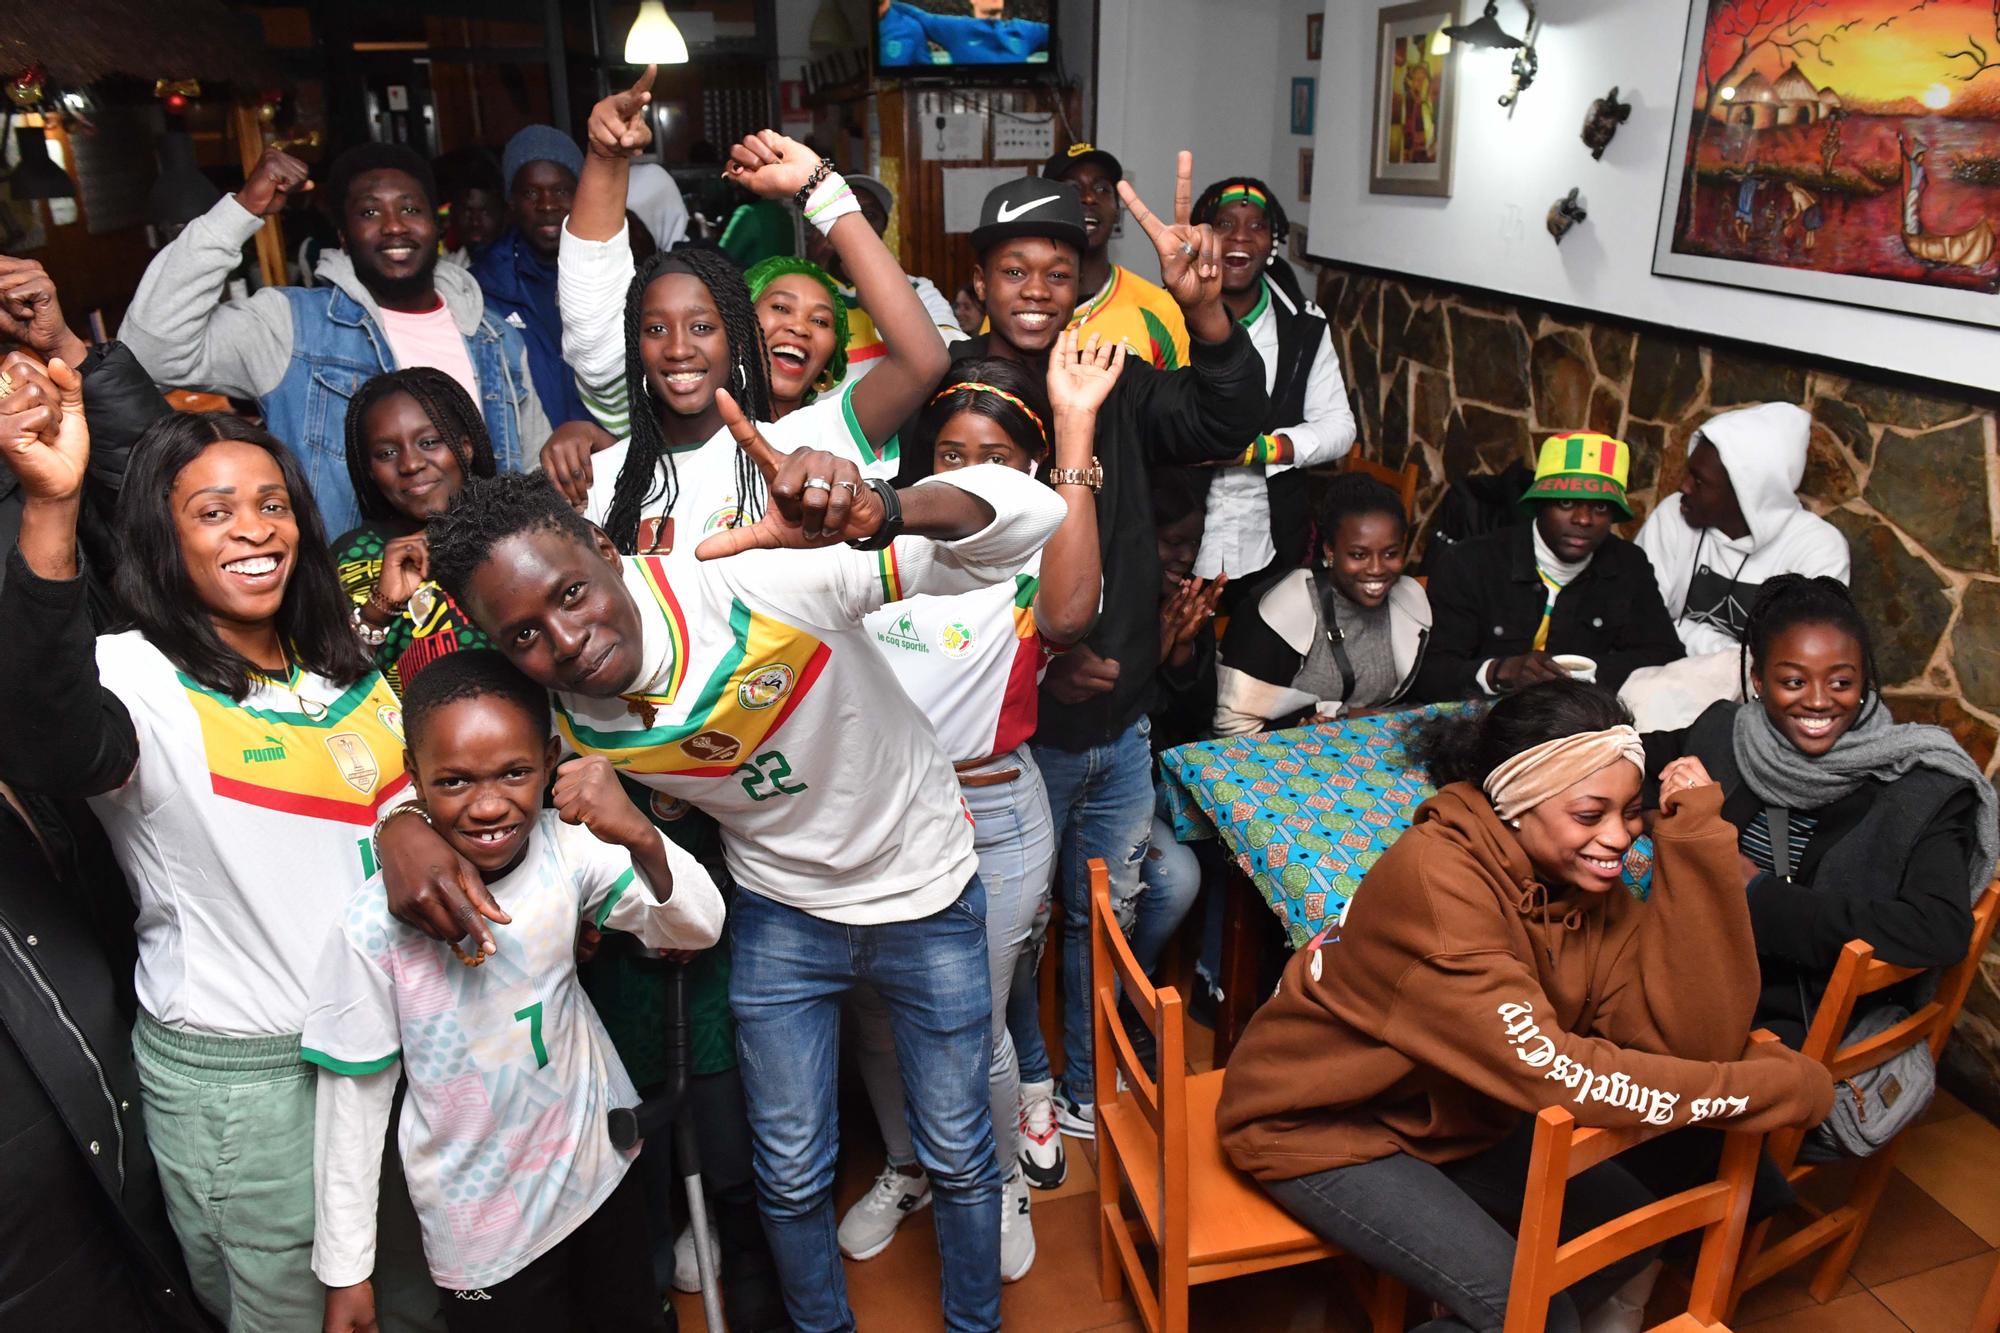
{"x": 820, "y": 173}
{"x": 892, "y": 517}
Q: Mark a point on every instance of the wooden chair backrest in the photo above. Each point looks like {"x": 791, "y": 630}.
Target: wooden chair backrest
{"x": 1544, "y": 1264}
{"x": 1402, "y": 480}
{"x": 1860, "y": 973}
{"x": 1163, "y": 1101}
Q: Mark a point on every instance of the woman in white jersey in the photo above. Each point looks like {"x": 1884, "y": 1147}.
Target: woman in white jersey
{"x": 690, "y": 329}
{"x": 237, "y": 746}
{"x": 972, "y": 662}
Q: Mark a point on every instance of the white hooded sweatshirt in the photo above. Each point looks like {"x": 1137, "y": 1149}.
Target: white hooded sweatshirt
{"x": 1710, "y": 581}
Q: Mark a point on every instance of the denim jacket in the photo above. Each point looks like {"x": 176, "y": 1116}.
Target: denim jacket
{"x": 303, "y": 351}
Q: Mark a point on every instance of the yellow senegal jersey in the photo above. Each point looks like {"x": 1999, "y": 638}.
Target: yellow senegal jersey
{"x": 1131, "y": 310}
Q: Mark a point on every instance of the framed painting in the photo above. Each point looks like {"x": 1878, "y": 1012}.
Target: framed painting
{"x": 1305, "y": 175}
{"x": 1844, "y": 150}
{"x": 1416, "y": 91}
{"x": 1315, "y": 34}
{"x": 1302, "y": 106}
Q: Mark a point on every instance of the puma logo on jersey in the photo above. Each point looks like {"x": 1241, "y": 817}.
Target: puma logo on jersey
{"x": 265, "y": 754}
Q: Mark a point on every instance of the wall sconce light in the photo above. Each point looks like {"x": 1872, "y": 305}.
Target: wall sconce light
{"x": 655, "y": 39}
{"x": 1485, "y": 33}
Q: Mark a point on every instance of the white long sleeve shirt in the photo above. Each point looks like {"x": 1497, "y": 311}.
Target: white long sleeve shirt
{"x": 1237, "y": 537}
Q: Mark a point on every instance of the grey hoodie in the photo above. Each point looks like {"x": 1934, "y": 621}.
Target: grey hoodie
{"x": 1709, "y": 581}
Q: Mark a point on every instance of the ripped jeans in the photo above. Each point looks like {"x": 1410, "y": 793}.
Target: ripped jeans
{"x": 1101, "y": 801}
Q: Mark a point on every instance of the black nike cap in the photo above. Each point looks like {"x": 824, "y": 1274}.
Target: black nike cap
{"x": 1074, "y": 156}
{"x": 1031, "y": 206}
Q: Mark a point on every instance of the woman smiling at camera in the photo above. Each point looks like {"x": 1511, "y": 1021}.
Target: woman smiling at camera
{"x": 1492, "y": 964}
{"x": 1888, "y": 831}
{"x": 237, "y": 746}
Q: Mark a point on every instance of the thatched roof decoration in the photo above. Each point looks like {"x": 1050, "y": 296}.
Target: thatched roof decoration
{"x": 82, "y": 41}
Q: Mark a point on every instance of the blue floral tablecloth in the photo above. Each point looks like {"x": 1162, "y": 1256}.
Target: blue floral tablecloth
{"x": 1306, "y": 811}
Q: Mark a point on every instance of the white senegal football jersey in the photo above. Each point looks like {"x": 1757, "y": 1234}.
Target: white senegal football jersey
{"x": 705, "y": 474}
{"x": 504, "y": 1136}
{"x": 762, "y": 701}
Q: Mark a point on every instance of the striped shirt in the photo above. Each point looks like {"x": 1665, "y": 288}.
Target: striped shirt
{"x": 1755, "y": 840}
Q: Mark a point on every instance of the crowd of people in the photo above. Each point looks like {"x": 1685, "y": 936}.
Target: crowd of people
{"x": 597, "y": 671}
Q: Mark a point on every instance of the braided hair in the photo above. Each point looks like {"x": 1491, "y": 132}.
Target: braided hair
{"x": 1785, "y": 601}
{"x": 1007, "y": 412}
{"x": 648, "y": 471}
{"x": 452, "y": 413}
{"x": 1210, "y": 204}
{"x": 767, "y": 271}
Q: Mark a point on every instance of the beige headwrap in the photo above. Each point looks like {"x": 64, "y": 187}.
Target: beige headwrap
{"x": 1536, "y": 774}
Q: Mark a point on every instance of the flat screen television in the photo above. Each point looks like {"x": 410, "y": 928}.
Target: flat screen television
{"x": 995, "y": 37}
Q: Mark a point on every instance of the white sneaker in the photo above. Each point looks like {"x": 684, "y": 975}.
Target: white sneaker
{"x": 1041, "y": 1156}
{"x": 1017, "y": 1233}
{"x": 687, "y": 1268}
{"x": 871, "y": 1223}
{"x": 1074, "y": 1118}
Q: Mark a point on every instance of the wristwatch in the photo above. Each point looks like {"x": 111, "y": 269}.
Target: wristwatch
{"x": 892, "y": 517}
{"x": 1092, "y": 476}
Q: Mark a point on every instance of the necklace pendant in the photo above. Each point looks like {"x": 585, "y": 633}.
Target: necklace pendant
{"x": 643, "y": 709}
{"x": 314, "y": 710}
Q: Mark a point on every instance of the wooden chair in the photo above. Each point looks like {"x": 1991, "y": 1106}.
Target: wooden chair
{"x": 1839, "y": 1231}
{"x": 1544, "y": 1265}
{"x": 1402, "y": 480}
{"x": 1156, "y": 1139}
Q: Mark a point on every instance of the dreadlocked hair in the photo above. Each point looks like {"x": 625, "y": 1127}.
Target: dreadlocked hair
{"x": 1786, "y": 601}
{"x": 1210, "y": 204}
{"x": 764, "y": 272}
{"x": 487, "y": 512}
{"x": 648, "y": 471}
{"x": 452, "y": 414}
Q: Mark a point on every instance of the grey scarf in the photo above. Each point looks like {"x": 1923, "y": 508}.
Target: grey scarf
{"x": 1873, "y": 748}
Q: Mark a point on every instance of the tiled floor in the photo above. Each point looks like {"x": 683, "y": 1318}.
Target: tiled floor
{"x": 1921, "y": 1270}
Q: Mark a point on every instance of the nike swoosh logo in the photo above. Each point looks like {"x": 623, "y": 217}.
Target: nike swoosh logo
{"x": 1006, "y": 214}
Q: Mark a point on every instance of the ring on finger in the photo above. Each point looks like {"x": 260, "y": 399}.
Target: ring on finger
{"x": 853, "y": 488}
{"x": 818, "y": 484}
{"x": 1187, "y": 251}
{"x": 6, "y": 384}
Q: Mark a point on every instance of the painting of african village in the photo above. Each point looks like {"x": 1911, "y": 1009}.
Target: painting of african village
{"x": 1841, "y": 149}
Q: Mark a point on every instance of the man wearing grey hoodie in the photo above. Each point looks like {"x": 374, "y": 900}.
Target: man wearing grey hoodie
{"x": 382, "y": 303}
{"x": 1737, "y": 521}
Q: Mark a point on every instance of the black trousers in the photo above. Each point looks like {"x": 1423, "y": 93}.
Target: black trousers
{"x": 598, "y": 1279}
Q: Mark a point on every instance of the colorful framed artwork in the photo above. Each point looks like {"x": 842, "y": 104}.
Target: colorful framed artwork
{"x": 1305, "y": 175}
{"x": 1302, "y": 106}
{"x": 1844, "y": 150}
{"x": 1416, "y": 92}
{"x": 1315, "y": 33}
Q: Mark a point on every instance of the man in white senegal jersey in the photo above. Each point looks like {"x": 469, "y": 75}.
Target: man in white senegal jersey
{"x": 518, "y": 1177}
{"x": 748, "y": 687}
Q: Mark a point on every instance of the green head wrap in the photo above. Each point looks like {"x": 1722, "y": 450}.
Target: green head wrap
{"x": 767, "y": 271}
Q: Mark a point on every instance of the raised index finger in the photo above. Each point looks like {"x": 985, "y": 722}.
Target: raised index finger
{"x": 1183, "y": 188}
{"x": 1141, "y": 214}
{"x": 744, "y": 431}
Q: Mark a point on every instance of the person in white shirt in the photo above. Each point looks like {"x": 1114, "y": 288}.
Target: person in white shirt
{"x": 1736, "y": 521}
{"x": 690, "y": 330}
{"x": 973, "y": 662}
{"x": 749, "y": 687}
{"x": 237, "y": 746}
{"x": 1257, "y": 507}
{"x": 510, "y": 1130}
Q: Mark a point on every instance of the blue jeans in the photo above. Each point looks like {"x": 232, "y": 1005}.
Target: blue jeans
{"x": 1172, "y": 878}
{"x": 790, "y": 972}
{"x": 1101, "y": 801}
{"x": 1016, "y": 848}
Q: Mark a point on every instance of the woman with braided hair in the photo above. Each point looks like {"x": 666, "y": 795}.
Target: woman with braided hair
{"x": 1849, "y": 825}
{"x": 414, "y": 438}
{"x": 1258, "y": 515}
{"x": 691, "y": 333}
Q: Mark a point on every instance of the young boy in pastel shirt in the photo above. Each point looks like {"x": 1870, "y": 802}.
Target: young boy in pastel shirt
{"x": 528, "y": 1218}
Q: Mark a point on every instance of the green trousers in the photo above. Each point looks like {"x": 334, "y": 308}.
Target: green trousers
{"x": 230, "y": 1120}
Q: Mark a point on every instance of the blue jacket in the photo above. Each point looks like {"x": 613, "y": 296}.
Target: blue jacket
{"x": 301, "y": 352}
{"x": 521, "y": 289}
{"x": 905, "y": 31}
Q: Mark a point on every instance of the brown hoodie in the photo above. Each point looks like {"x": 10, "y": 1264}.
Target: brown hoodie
{"x": 1459, "y": 994}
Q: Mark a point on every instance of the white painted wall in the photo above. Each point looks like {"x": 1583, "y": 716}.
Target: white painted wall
{"x": 1490, "y": 233}
{"x": 1193, "y": 74}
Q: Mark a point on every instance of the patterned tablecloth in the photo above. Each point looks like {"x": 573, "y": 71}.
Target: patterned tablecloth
{"x": 1307, "y": 811}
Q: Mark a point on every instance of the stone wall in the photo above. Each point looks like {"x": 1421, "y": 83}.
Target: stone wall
{"x": 1458, "y": 382}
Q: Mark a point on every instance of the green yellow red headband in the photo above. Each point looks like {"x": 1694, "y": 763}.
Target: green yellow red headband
{"x": 1243, "y": 194}
{"x": 980, "y": 386}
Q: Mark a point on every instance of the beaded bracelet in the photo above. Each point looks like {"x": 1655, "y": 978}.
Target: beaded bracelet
{"x": 820, "y": 173}
{"x": 371, "y": 636}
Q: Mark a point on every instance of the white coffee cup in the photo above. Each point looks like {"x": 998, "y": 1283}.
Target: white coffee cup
{"x": 1578, "y": 666}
